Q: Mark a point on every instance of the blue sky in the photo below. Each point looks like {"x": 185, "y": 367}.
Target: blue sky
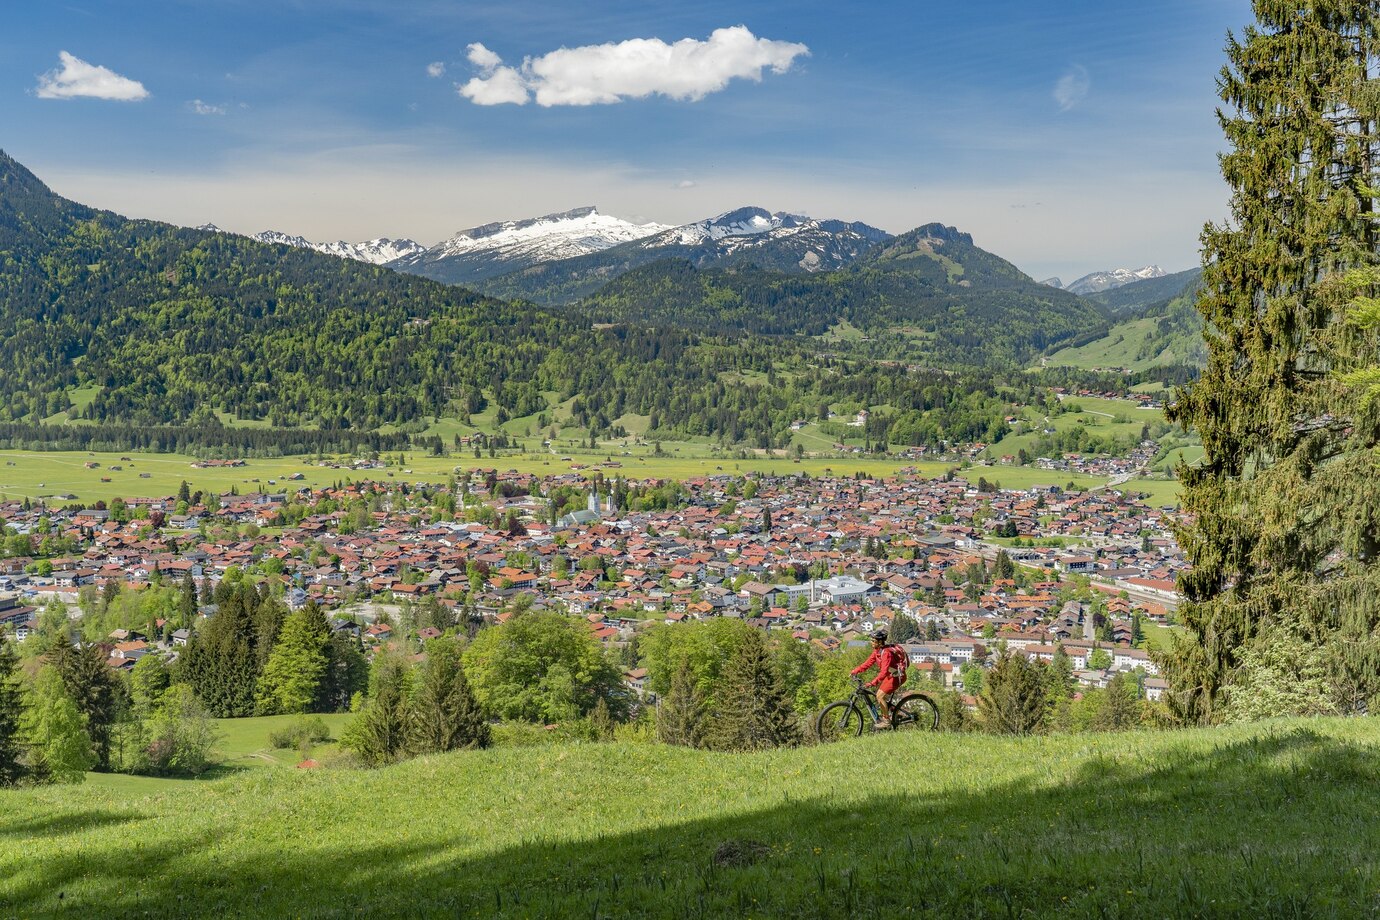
{"x": 1066, "y": 137}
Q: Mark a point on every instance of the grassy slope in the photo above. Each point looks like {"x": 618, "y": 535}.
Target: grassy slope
{"x": 1264, "y": 820}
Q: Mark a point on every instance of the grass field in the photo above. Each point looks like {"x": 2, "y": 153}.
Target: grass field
{"x": 1265, "y": 820}
{"x": 44, "y": 474}
{"x": 1100, "y": 416}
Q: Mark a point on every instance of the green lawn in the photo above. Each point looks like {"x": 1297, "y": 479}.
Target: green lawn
{"x": 1157, "y": 636}
{"x": 244, "y": 743}
{"x": 1267, "y": 820}
{"x": 1162, "y": 492}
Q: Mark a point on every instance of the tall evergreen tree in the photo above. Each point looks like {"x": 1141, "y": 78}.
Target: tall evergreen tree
{"x": 753, "y": 711}
{"x": 95, "y": 690}
{"x": 680, "y": 718}
{"x": 1286, "y": 501}
{"x": 379, "y": 733}
{"x": 1013, "y": 695}
{"x": 347, "y": 672}
{"x": 444, "y": 715}
{"x": 220, "y": 662}
{"x": 292, "y": 678}
{"x": 11, "y": 714}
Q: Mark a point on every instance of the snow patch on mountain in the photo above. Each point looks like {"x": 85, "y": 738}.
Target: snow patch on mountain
{"x": 1097, "y": 282}
{"x": 376, "y": 252}
{"x": 822, "y": 244}
{"x": 562, "y": 235}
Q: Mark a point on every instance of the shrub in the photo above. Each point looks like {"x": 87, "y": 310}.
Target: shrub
{"x": 298, "y": 732}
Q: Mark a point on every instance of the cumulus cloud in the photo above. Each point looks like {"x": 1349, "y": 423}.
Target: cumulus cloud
{"x": 75, "y": 77}
{"x": 1072, "y": 87}
{"x": 205, "y": 108}
{"x": 687, "y": 70}
{"x": 435, "y": 69}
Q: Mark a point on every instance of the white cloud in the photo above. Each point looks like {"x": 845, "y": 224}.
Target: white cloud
{"x": 687, "y": 70}
{"x": 502, "y": 84}
{"x": 482, "y": 57}
{"x": 74, "y": 77}
{"x": 206, "y": 108}
{"x": 685, "y": 183}
{"x": 435, "y": 69}
{"x": 1072, "y": 87}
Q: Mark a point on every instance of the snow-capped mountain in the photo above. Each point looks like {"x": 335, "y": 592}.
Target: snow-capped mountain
{"x": 746, "y": 236}
{"x": 375, "y": 252}
{"x": 1098, "y": 282}
{"x": 818, "y": 244}
{"x": 511, "y": 245}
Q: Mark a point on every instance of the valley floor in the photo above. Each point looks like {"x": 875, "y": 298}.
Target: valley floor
{"x": 1264, "y": 820}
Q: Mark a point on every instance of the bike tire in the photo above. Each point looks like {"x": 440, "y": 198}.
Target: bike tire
{"x": 918, "y": 712}
{"x": 838, "y": 721}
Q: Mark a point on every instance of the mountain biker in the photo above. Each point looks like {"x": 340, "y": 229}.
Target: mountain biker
{"x": 891, "y": 673}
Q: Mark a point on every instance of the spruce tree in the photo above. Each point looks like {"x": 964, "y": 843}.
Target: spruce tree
{"x": 220, "y": 662}
{"x": 1013, "y": 695}
{"x": 680, "y": 717}
{"x": 347, "y": 672}
{"x": 753, "y": 711}
{"x": 292, "y": 678}
{"x": 444, "y": 715}
{"x": 379, "y": 734}
{"x": 11, "y": 715}
{"x": 1285, "y": 503}
{"x": 1118, "y": 710}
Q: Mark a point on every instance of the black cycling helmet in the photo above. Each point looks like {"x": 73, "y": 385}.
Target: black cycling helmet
{"x": 879, "y": 635}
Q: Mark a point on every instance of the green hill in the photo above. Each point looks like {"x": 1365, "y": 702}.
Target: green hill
{"x": 1138, "y": 296}
{"x": 1157, "y": 335}
{"x": 1268, "y": 820}
{"x": 945, "y": 300}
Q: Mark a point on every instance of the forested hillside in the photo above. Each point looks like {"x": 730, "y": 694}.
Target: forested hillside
{"x": 954, "y": 303}
{"x": 158, "y": 326}
{"x": 1147, "y": 334}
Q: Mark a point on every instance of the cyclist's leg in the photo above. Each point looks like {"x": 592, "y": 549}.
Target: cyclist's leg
{"x": 884, "y": 703}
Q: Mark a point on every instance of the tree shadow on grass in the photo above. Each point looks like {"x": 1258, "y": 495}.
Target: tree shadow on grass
{"x": 1276, "y": 825}
{"x": 62, "y": 823}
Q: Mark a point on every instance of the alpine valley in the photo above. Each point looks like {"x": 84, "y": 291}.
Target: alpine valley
{"x": 729, "y": 329}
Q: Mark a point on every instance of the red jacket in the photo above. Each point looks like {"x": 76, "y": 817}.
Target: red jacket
{"x": 887, "y": 660}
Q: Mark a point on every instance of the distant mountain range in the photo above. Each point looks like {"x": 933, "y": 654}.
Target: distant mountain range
{"x": 558, "y": 258}
{"x": 1097, "y": 282}
{"x": 376, "y": 252}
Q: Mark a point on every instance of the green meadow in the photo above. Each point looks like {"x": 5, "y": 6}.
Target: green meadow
{"x": 48, "y": 474}
{"x": 1265, "y": 820}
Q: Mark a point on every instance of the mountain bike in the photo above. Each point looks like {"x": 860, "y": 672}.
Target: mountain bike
{"x": 912, "y": 712}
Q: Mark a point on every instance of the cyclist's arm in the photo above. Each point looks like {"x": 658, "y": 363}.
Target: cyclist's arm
{"x": 871, "y": 659}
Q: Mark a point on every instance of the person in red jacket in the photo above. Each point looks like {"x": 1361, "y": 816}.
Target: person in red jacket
{"x": 891, "y": 673}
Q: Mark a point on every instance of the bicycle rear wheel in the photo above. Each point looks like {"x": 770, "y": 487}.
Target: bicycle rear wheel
{"x": 839, "y": 720}
{"x": 916, "y": 712}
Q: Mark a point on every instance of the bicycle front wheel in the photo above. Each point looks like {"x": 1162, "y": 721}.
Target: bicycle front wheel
{"x": 839, "y": 720}
{"x": 916, "y": 712}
